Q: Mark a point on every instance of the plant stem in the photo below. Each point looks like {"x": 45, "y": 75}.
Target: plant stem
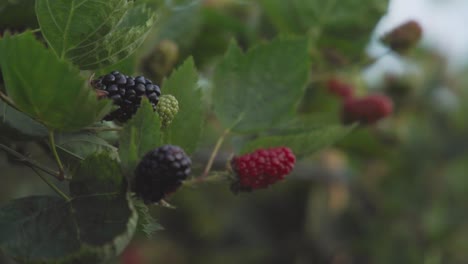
{"x": 216, "y": 176}
{"x": 56, "y": 156}
{"x": 214, "y": 153}
{"x": 102, "y": 129}
{"x": 51, "y": 185}
{"x": 31, "y": 162}
{"x": 7, "y": 100}
{"x": 76, "y": 156}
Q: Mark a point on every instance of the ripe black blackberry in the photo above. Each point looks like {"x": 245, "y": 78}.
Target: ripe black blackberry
{"x": 160, "y": 172}
{"x": 126, "y": 92}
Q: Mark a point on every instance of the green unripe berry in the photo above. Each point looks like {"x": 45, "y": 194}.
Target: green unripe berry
{"x": 167, "y": 109}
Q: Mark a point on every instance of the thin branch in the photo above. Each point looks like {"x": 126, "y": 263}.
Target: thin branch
{"x": 76, "y": 156}
{"x": 56, "y": 156}
{"x": 31, "y": 162}
{"x": 51, "y": 185}
{"x": 214, "y": 177}
{"x": 214, "y": 153}
{"x": 102, "y": 129}
{"x": 8, "y": 100}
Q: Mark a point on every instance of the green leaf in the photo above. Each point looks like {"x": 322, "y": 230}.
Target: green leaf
{"x": 344, "y": 25}
{"x": 306, "y": 123}
{"x": 47, "y": 89}
{"x": 302, "y": 144}
{"x": 140, "y": 135}
{"x": 16, "y": 125}
{"x": 181, "y": 24}
{"x": 93, "y": 33}
{"x": 84, "y": 144}
{"x": 183, "y": 85}
{"x": 46, "y": 229}
{"x": 254, "y": 91}
{"x": 146, "y": 223}
{"x": 97, "y": 174}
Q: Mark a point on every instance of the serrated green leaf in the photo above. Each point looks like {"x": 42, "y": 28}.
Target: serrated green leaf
{"x": 16, "y": 125}
{"x": 47, "y": 229}
{"x": 46, "y": 88}
{"x": 97, "y": 174}
{"x": 254, "y": 91}
{"x": 84, "y": 144}
{"x": 93, "y": 33}
{"x": 140, "y": 135}
{"x": 185, "y": 129}
{"x": 146, "y": 223}
{"x": 302, "y": 144}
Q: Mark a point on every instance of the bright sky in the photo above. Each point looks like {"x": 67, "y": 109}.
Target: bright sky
{"x": 445, "y": 26}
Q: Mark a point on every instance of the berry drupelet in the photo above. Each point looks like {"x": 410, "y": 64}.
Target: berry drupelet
{"x": 126, "y": 92}
{"x": 160, "y": 172}
{"x": 261, "y": 168}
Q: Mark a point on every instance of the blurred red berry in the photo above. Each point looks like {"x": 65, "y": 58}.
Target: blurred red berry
{"x": 339, "y": 88}
{"x": 131, "y": 255}
{"x": 367, "y": 110}
{"x": 262, "y": 168}
{"x": 403, "y": 37}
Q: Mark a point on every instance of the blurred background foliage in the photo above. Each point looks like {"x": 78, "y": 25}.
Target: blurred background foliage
{"x": 395, "y": 192}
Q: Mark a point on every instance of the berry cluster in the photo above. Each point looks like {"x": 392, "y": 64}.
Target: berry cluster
{"x": 126, "y": 92}
{"x": 160, "y": 172}
{"x": 262, "y": 168}
{"x": 366, "y": 110}
{"x": 167, "y": 109}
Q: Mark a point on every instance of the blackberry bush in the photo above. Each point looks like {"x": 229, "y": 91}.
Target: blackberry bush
{"x": 126, "y": 92}
{"x": 160, "y": 172}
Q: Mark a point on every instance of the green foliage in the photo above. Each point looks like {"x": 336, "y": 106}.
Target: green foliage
{"x": 146, "y": 223}
{"x": 15, "y": 124}
{"x": 331, "y": 24}
{"x": 113, "y": 30}
{"x": 84, "y": 144}
{"x": 183, "y": 85}
{"x": 140, "y": 135}
{"x": 302, "y": 144}
{"x": 52, "y": 98}
{"x": 98, "y": 174}
{"x": 47, "y": 229}
{"x": 256, "y": 90}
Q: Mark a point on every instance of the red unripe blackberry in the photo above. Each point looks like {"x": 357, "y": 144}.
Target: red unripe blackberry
{"x": 126, "y": 92}
{"x": 261, "y": 168}
{"x": 339, "y": 88}
{"x": 160, "y": 172}
{"x": 366, "y": 110}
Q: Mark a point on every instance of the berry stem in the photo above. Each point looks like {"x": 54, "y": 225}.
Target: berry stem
{"x": 51, "y": 185}
{"x": 213, "y": 177}
{"x": 56, "y": 156}
{"x": 32, "y": 163}
{"x": 218, "y": 145}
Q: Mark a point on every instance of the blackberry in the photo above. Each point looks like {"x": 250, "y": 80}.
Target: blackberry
{"x": 160, "y": 172}
{"x": 167, "y": 109}
{"x": 261, "y": 168}
{"x": 126, "y": 92}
